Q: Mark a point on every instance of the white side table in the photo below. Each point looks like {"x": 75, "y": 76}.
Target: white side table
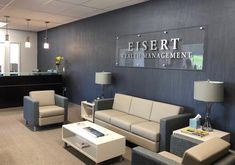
{"x": 181, "y": 141}
{"x": 87, "y": 111}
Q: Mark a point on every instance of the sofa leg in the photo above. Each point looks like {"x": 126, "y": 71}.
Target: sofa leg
{"x": 35, "y": 128}
{"x": 25, "y": 122}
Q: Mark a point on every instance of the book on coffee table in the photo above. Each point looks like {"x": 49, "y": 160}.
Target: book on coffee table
{"x": 93, "y": 132}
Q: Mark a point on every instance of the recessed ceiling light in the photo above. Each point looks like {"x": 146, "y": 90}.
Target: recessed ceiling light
{"x": 2, "y": 24}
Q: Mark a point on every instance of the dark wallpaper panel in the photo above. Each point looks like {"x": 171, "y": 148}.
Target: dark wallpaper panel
{"x": 89, "y": 46}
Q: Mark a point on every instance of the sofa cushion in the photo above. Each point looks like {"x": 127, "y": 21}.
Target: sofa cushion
{"x": 51, "y": 110}
{"x": 141, "y": 107}
{"x": 170, "y": 156}
{"x": 162, "y": 110}
{"x": 206, "y": 153}
{"x": 105, "y": 115}
{"x": 125, "y": 121}
{"x": 149, "y": 130}
{"x": 122, "y": 102}
{"x": 44, "y": 98}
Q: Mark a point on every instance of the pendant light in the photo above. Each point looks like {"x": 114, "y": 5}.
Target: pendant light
{"x": 7, "y": 38}
{"x": 46, "y": 43}
{"x": 27, "y": 43}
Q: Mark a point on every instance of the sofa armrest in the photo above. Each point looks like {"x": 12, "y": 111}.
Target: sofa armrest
{"x": 168, "y": 125}
{"x": 103, "y": 104}
{"x": 142, "y": 156}
{"x": 62, "y": 101}
{"x": 31, "y": 110}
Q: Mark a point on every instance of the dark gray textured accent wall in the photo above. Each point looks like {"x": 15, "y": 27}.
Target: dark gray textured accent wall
{"x": 89, "y": 46}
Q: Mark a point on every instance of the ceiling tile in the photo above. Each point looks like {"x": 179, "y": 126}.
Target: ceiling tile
{"x": 77, "y": 11}
{"x": 43, "y": 6}
{"x": 101, "y": 4}
{"x": 58, "y": 12}
{"x": 5, "y": 2}
{"x": 124, "y": 4}
{"x": 78, "y": 2}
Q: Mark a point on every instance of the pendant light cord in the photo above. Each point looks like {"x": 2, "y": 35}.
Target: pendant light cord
{"x": 6, "y": 24}
{"x": 46, "y": 37}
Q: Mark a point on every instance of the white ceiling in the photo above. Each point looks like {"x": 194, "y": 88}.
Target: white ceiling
{"x": 58, "y": 12}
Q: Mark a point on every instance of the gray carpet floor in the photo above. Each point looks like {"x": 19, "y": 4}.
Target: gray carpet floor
{"x": 21, "y": 146}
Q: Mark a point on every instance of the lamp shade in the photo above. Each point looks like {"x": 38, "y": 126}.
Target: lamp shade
{"x": 209, "y": 91}
{"x": 103, "y": 78}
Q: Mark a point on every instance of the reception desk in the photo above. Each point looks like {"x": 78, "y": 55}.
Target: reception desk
{"x": 14, "y": 87}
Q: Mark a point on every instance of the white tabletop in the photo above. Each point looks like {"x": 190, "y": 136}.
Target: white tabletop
{"x": 77, "y": 128}
{"x": 214, "y": 133}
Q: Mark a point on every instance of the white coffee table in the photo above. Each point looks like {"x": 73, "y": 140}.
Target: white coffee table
{"x": 97, "y": 149}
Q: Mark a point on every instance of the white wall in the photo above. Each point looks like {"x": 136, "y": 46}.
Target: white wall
{"x": 28, "y": 56}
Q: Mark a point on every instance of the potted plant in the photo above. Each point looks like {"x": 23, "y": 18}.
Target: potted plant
{"x": 58, "y": 61}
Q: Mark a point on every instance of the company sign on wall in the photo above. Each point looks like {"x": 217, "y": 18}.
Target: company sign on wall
{"x": 169, "y": 49}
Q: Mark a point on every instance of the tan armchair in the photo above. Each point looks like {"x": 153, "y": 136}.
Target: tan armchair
{"x": 44, "y": 108}
{"x": 212, "y": 152}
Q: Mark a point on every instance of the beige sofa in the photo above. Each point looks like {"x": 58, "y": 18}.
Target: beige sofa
{"x": 144, "y": 122}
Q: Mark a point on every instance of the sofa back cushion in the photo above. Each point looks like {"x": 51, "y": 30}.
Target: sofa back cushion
{"x": 122, "y": 102}
{"x": 206, "y": 153}
{"x": 141, "y": 107}
{"x": 44, "y": 98}
{"x": 162, "y": 110}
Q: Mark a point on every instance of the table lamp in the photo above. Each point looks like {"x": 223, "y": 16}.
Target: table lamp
{"x": 208, "y": 92}
{"x": 103, "y": 78}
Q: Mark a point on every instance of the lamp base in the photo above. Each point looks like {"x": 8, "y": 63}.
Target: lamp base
{"x": 100, "y": 97}
{"x": 207, "y": 126}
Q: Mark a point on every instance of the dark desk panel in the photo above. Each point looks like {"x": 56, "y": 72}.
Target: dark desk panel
{"x": 14, "y": 88}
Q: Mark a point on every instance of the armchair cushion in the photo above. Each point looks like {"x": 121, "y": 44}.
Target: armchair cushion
{"x": 44, "y": 98}
{"x": 206, "y": 153}
{"x": 149, "y": 130}
{"x": 107, "y": 114}
{"x": 51, "y": 110}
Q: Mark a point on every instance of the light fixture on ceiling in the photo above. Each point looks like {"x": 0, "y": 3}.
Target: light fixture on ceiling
{"x": 27, "y": 43}
{"x": 7, "y": 38}
{"x": 46, "y": 43}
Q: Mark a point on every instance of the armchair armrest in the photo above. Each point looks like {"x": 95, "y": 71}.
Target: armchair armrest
{"x": 142, "y": 156}
{"x": 103, "y": 104}
{"x": 168, "y": 125}
{"x": 31, "y": 110}
{"x": 62, "y": 101}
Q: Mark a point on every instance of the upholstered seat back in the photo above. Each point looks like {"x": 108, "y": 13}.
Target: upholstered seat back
{"x": 122, "y": 102}
{"x": 162, "y": 110}
{"x": 206, "y": 153}
{"x": 44, "y": 98}
{"x": 141, "y": 107}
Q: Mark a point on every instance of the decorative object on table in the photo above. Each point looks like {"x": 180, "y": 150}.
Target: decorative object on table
{"x": 197, "y": 132}
{"x": 58, "y": 61}
{"x": 195, "y": 122}
{"x": 103, "y": 78}
{"x": 208, "y": 92}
